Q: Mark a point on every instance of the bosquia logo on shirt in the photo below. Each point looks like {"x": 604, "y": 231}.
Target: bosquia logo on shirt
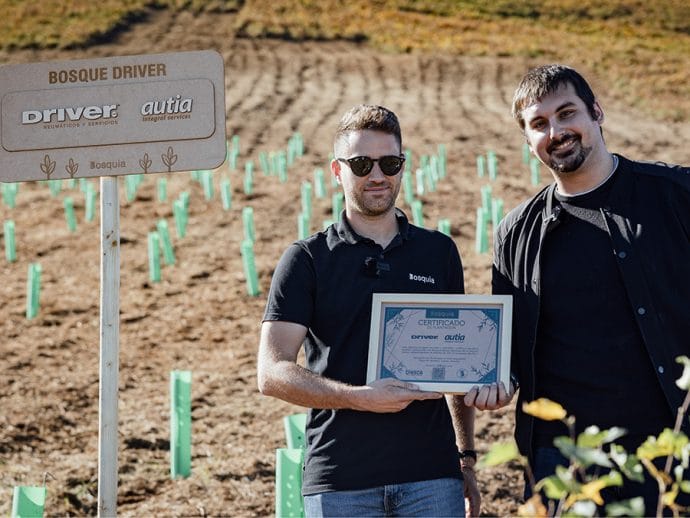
{"x": 422, "y": 278}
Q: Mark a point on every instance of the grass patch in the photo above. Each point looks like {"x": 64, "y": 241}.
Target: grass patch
{"x": 642, "y": 46}
{"x": 68, "y": 24}
{"x": 62, "y": 24}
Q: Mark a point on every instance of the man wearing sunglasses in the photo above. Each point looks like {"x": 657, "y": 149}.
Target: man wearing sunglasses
{"x": 386, "y": 448}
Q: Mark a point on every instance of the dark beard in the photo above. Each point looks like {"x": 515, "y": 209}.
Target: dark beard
{"x": 570, "y": 162}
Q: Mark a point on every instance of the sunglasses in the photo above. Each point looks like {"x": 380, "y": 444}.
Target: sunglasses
{"x": 362, "y": 165}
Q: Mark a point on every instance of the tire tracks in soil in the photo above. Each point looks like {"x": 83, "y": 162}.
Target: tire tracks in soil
{"x": 258, "y": 103}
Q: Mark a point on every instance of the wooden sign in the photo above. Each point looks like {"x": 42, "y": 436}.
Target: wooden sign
{"x": 112, "y": 116}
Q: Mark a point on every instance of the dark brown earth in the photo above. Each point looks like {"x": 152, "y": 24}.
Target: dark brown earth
{"x": 200, "y": 317}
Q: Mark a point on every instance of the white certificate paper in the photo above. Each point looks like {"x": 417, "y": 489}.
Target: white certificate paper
{"x": 447, "y": 343}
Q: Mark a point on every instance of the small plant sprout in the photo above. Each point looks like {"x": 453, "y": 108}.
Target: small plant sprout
{"x": 319, "y": 183}
{"x": 10, "y": 246}
{"x": 534, "y": 171}
{"x": 154, "y": 257}
{"x": 226, "y": 193}
{"x": 337, "y": 205}
{"x": 180, "y": 424}
{"x": 247, "y": 250}
{"x": 248, "y": 223}
{"x": 481, "y": 166}
{"x": 408, "y": 190}
{"x": 162, "y": 189}
{"x": 90, "y": 202}
{"x": 9, "y": 194}
{"x": 248, "y": 178}
{"x": 70, "y": 217}
{"x": 525, "y": 153}
{"x": 180, "y": 215}
{"x": 418, "y": 213}
{"x": 481, "y": 236}
{"x": 419, "y": 176}
{"x": 306, "y": 196}
{"x": 33, "y": 290}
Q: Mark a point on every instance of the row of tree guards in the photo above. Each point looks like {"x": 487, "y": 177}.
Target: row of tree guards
{"x": 416, "y": 182}
{"x": 30, "y": 501}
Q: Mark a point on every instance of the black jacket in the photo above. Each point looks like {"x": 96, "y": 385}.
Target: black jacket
{"x": 647, "y": 215}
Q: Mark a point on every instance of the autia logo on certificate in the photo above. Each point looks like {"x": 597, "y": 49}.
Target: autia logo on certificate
{"x": 441, "y": 342}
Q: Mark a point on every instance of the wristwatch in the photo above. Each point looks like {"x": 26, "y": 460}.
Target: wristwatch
{"x": 515, "y": 382}
{"x": 468, "y": 454}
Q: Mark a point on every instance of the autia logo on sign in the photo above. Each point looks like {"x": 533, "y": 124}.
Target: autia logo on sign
{"x": 169, "y": 106}
{"x": 72, "y": 113}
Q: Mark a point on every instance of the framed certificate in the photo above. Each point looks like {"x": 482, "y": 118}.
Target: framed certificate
{"x": 442, "y": 343}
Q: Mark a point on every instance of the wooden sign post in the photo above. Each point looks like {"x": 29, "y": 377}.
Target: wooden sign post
{"x": 156, "y": 113}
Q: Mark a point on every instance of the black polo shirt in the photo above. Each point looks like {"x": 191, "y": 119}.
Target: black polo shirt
{"x": 325, "y": 283}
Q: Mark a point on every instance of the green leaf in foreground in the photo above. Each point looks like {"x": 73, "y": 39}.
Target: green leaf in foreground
{"x": 499, "y": 454}
{"x": 628, "y": 463}
{"x": 633, "y": 507}
{"x": 583, "y": 456}
{"x": 559, "y": 485}
{"x": 592, "y": 437}
{"x": 668, "y": 443}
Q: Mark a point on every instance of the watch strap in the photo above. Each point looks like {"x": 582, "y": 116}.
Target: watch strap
{"x": 468, "y": 454}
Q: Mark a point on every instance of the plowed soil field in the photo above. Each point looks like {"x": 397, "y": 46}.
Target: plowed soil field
{"x": 200, "y": 317}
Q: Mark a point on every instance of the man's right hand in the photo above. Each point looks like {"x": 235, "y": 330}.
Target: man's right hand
{"x": 389, "y": 395}
{"x": 489, "y": 397}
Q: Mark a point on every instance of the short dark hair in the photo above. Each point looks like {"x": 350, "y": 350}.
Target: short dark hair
{"x": 369, "y": 117}
{"x": 543, "y": 80}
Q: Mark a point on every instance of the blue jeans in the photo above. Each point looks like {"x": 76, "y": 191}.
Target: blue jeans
{"x": 439, "y": 497}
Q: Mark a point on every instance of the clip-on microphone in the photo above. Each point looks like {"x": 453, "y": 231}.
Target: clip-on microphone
{"x": 373, "y": 268}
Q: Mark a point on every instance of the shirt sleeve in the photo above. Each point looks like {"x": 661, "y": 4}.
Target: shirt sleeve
{"x": 291, "y": 296}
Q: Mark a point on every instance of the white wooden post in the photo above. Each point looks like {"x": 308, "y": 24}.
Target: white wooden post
{"x": 109, "y": 348}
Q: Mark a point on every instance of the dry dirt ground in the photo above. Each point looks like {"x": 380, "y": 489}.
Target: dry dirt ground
{"x": 200, "y": 317}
